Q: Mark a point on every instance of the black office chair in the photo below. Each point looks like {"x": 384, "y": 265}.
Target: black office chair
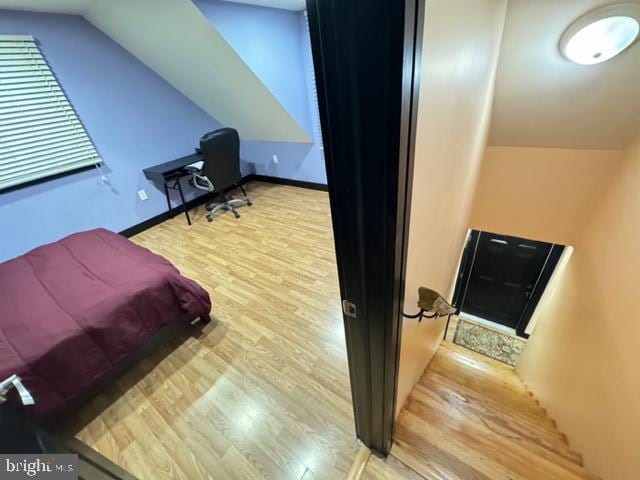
{"x": 220, "y": 170}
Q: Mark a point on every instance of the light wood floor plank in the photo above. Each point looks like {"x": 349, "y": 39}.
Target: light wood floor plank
{"x": 263, "y": 391}
{"x": 389, "y": 468}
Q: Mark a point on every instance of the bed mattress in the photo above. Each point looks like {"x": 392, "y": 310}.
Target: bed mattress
{"x": 72, "y": 310}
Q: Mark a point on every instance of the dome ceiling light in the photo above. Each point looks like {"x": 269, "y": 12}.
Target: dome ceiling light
{"x": 601, "y": 34}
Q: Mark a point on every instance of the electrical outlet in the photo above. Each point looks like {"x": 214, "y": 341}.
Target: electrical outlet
{"x": 143, "y": 195}
{"x": 275, "y": 158}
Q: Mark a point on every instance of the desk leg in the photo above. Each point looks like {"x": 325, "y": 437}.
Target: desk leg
{"x": 184, "y": 204}
{"x": 166, "y": 194}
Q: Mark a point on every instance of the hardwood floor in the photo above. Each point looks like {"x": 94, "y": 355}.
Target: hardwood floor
{"x": 263, "y": 391}
{"x": 389, "y": 468}
{"x": 470, "y": 417}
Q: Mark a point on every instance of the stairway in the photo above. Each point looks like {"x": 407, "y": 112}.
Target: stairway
{"x": 470, "y": 417}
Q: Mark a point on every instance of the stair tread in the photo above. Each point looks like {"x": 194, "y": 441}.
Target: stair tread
{"x": 468, "y": 423}
{"x": 531, "y": 416}
{"x": 448, "y": 402}
{"x": 471, "y": 417}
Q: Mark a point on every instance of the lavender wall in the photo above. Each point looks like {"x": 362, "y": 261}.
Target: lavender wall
{"x": 274, "y": 43}
{"x": 134, "y": 117}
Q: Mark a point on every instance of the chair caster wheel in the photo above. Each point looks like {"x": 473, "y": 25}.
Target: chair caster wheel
{"x": 236, "y": 214}
{"x": 209, "y": 219}
{"x": 249, "y": 203}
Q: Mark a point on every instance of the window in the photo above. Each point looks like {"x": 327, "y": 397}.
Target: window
{"x": 40, "y": 133}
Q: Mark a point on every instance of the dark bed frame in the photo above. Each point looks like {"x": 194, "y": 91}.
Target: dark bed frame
{"x": 182, "y": 327}
{"x": 21, "y": 434}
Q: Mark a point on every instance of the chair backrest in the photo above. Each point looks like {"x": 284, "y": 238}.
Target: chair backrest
{"x": 221, "y": 152}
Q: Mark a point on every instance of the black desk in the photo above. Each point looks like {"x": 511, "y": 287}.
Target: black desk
{"x": 170, "y": 174}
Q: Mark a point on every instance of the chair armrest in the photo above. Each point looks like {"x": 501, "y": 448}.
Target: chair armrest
{"x": 202, "y": 182}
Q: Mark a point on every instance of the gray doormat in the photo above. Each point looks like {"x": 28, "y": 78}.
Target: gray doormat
{"x": 492, "y": 343}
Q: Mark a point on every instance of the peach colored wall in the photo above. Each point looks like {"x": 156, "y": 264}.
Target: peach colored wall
{"x": 540, "y": 193}
{"x": 547, "y": 300}
{"x": 460, "y": 52}
{"x": 582, "y": 359}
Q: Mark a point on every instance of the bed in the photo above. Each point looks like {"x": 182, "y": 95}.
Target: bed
{"x": 73, "y": 311}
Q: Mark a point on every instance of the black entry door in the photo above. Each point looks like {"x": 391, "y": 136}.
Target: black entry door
{"x": 503, "y": 275}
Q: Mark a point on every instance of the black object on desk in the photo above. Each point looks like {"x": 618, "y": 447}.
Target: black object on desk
{"x": 170, "y": 174}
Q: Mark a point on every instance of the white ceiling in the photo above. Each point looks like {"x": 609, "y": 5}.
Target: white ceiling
{"x": 543, "y": 100}
{"x": 296, "y": 5}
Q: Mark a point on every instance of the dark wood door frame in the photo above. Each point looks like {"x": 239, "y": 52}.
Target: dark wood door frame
{"x": 539, "y": 287}
{"x": 366, "y": 58}
{"x": 466, "y": 265}
{"x": 466, "y": 262}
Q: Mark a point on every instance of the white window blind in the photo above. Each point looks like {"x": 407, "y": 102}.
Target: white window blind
{"x": 40, "y": 133}
{"x": 314, "y": 89}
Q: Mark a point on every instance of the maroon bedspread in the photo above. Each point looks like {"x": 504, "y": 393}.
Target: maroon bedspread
{"x": 72, "y": 310}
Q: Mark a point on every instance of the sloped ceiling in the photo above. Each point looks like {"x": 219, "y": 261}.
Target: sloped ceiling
{"x": 544, "y": 100}
{"x": 174, "y": 39}
{"x": 50, "y": 6}
{"x": 295, "y": 5}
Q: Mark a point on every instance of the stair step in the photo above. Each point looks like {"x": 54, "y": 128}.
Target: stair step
{"x": 471, "y": 417}
{"x": 481, "y": 375}
{"x": 533, "y": 417}
{"x": 481, "y": 455}
{"x": 487, "y": 424}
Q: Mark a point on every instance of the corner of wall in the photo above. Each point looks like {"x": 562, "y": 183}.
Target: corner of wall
{"x": 580, "y": 360}
{"x": 450, "y": 142}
